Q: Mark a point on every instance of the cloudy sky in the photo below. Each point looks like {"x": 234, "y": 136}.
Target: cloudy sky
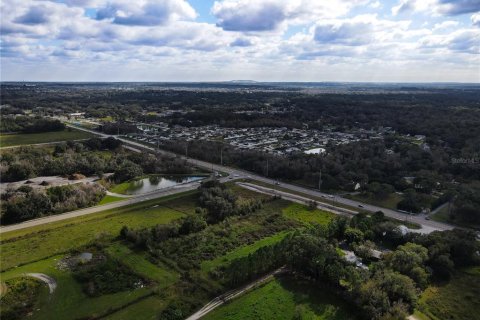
{"x": 264, "y": 40}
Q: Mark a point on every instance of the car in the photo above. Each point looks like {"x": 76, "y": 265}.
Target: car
{"x": 277, "y": 183}
{"x": 427, "y": 218}
{"x": 360, "y": 206}
{"x": 236, "y": 175}
{"x": 230, "y": 177}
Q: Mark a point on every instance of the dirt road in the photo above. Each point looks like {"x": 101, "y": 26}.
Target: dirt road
{"x": 220, "y": 300}
{"x": 52, "y": 283}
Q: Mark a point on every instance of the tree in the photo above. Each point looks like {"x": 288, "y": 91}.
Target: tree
{"x": 353, "y": 235}
{"x": 127, "y": 170}
{"x": 193, "y": 223}
{"x": 379, "y": 295}
{"x": 409, "y": 259}
{"x": 19, "y": 171}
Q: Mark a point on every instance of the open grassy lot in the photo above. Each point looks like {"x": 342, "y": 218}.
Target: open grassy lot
{"x": 318, "y": 199}
{"x": 303, "y": 214}
{"x": 442, "y": 216}
{"x": 10, "y": 140}
{"x": 28, "y": 245}
{"x": 242, "y": 251}
{"x": 284, "y": 298}
{"x": 110, "y": 199}
{"x": 120, "y": 188}
{"x": 140, "y": 265}
{"x": 390, "y": 202}
{"x": 69, "y": 301}
{"x": 456, "y": 300}
{"x": 146, "y": 309}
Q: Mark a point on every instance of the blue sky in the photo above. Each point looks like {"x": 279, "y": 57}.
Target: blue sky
{"x": 264, "y": 40}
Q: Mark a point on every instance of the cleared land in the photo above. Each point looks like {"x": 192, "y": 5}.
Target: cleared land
{"x": 442, "y": 215}
{"x": 110, "y": 199}
{"x": 68, "y": 299}
{"x": 242, "y": 251}
{"x": 390, "y": 202}
{"x": 39, "y": 249}
{"x": 303, "y": 214}
{"x": 140, "y": 265}
{"x": 32, "y": 244}
{"x": 18, "y": 139}
{"x": 284, "y": 298}
{"x": 455, "y": 300}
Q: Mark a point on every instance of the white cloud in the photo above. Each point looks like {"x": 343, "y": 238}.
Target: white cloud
{"x": 475, "y": 19}
{"x": 146, "y": 12}
{"x": 438, "y": 7}
{"x": 52, "y": 38}
{"x": 272, "y": 15}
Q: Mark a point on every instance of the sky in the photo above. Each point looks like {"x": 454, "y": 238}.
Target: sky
{"x": 262, "y": 40}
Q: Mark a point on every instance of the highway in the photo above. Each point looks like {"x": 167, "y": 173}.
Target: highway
{"x": 429, "y": 225}
{"x": 90, "y": 210}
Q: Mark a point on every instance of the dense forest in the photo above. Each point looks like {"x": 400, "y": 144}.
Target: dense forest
{"x": 26, "y": 124}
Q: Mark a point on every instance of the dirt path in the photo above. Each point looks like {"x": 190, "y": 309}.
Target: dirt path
{"x": 52, "y": 284}
{"x": 220, "y": 300}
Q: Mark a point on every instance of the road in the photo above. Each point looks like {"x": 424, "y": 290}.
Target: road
{"x": 427, "y": 224}
{"x": 113, "y": 205}
{"x": 218, "y": 301}
{"x": 299, "y": 199}
{"x": 52, "y": 284}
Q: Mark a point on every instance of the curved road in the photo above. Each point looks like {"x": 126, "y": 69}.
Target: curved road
{"x": 51, "y": 283}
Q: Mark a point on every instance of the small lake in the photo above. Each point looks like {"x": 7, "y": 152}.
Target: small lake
{"x": 154, "y": 183}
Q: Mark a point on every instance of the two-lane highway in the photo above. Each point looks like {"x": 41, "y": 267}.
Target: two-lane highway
{"x": 428, "y": 224}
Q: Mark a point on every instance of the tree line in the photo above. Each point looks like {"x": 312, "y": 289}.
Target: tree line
{"x": 388, "y": 289}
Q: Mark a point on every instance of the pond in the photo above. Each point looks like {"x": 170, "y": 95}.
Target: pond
{"x": 153, "y": 183}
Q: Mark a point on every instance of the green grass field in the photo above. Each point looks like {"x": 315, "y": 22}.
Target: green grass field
{"x": 282, "y": 299}
{"x": 443, "y": 216}
{"x": 390, "y": 202}
{"x": 242, "y": 251}
{"x": 10, "y": 140}
{"x": 110, "y": 199}
{"x": 303, "y": 214}
{"x": 120, "y": 188}
{"x": 146, "y": 309}
{"x": 68, "y": 301}
{"x": 456, "y": 300}
{"x": 28, "y": 245}
{"x": 140, "y": 265}
{"x": 318, "y": 199}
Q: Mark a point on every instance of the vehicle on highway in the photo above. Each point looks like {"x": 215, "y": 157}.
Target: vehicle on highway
{"x": 360, "y": 206}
